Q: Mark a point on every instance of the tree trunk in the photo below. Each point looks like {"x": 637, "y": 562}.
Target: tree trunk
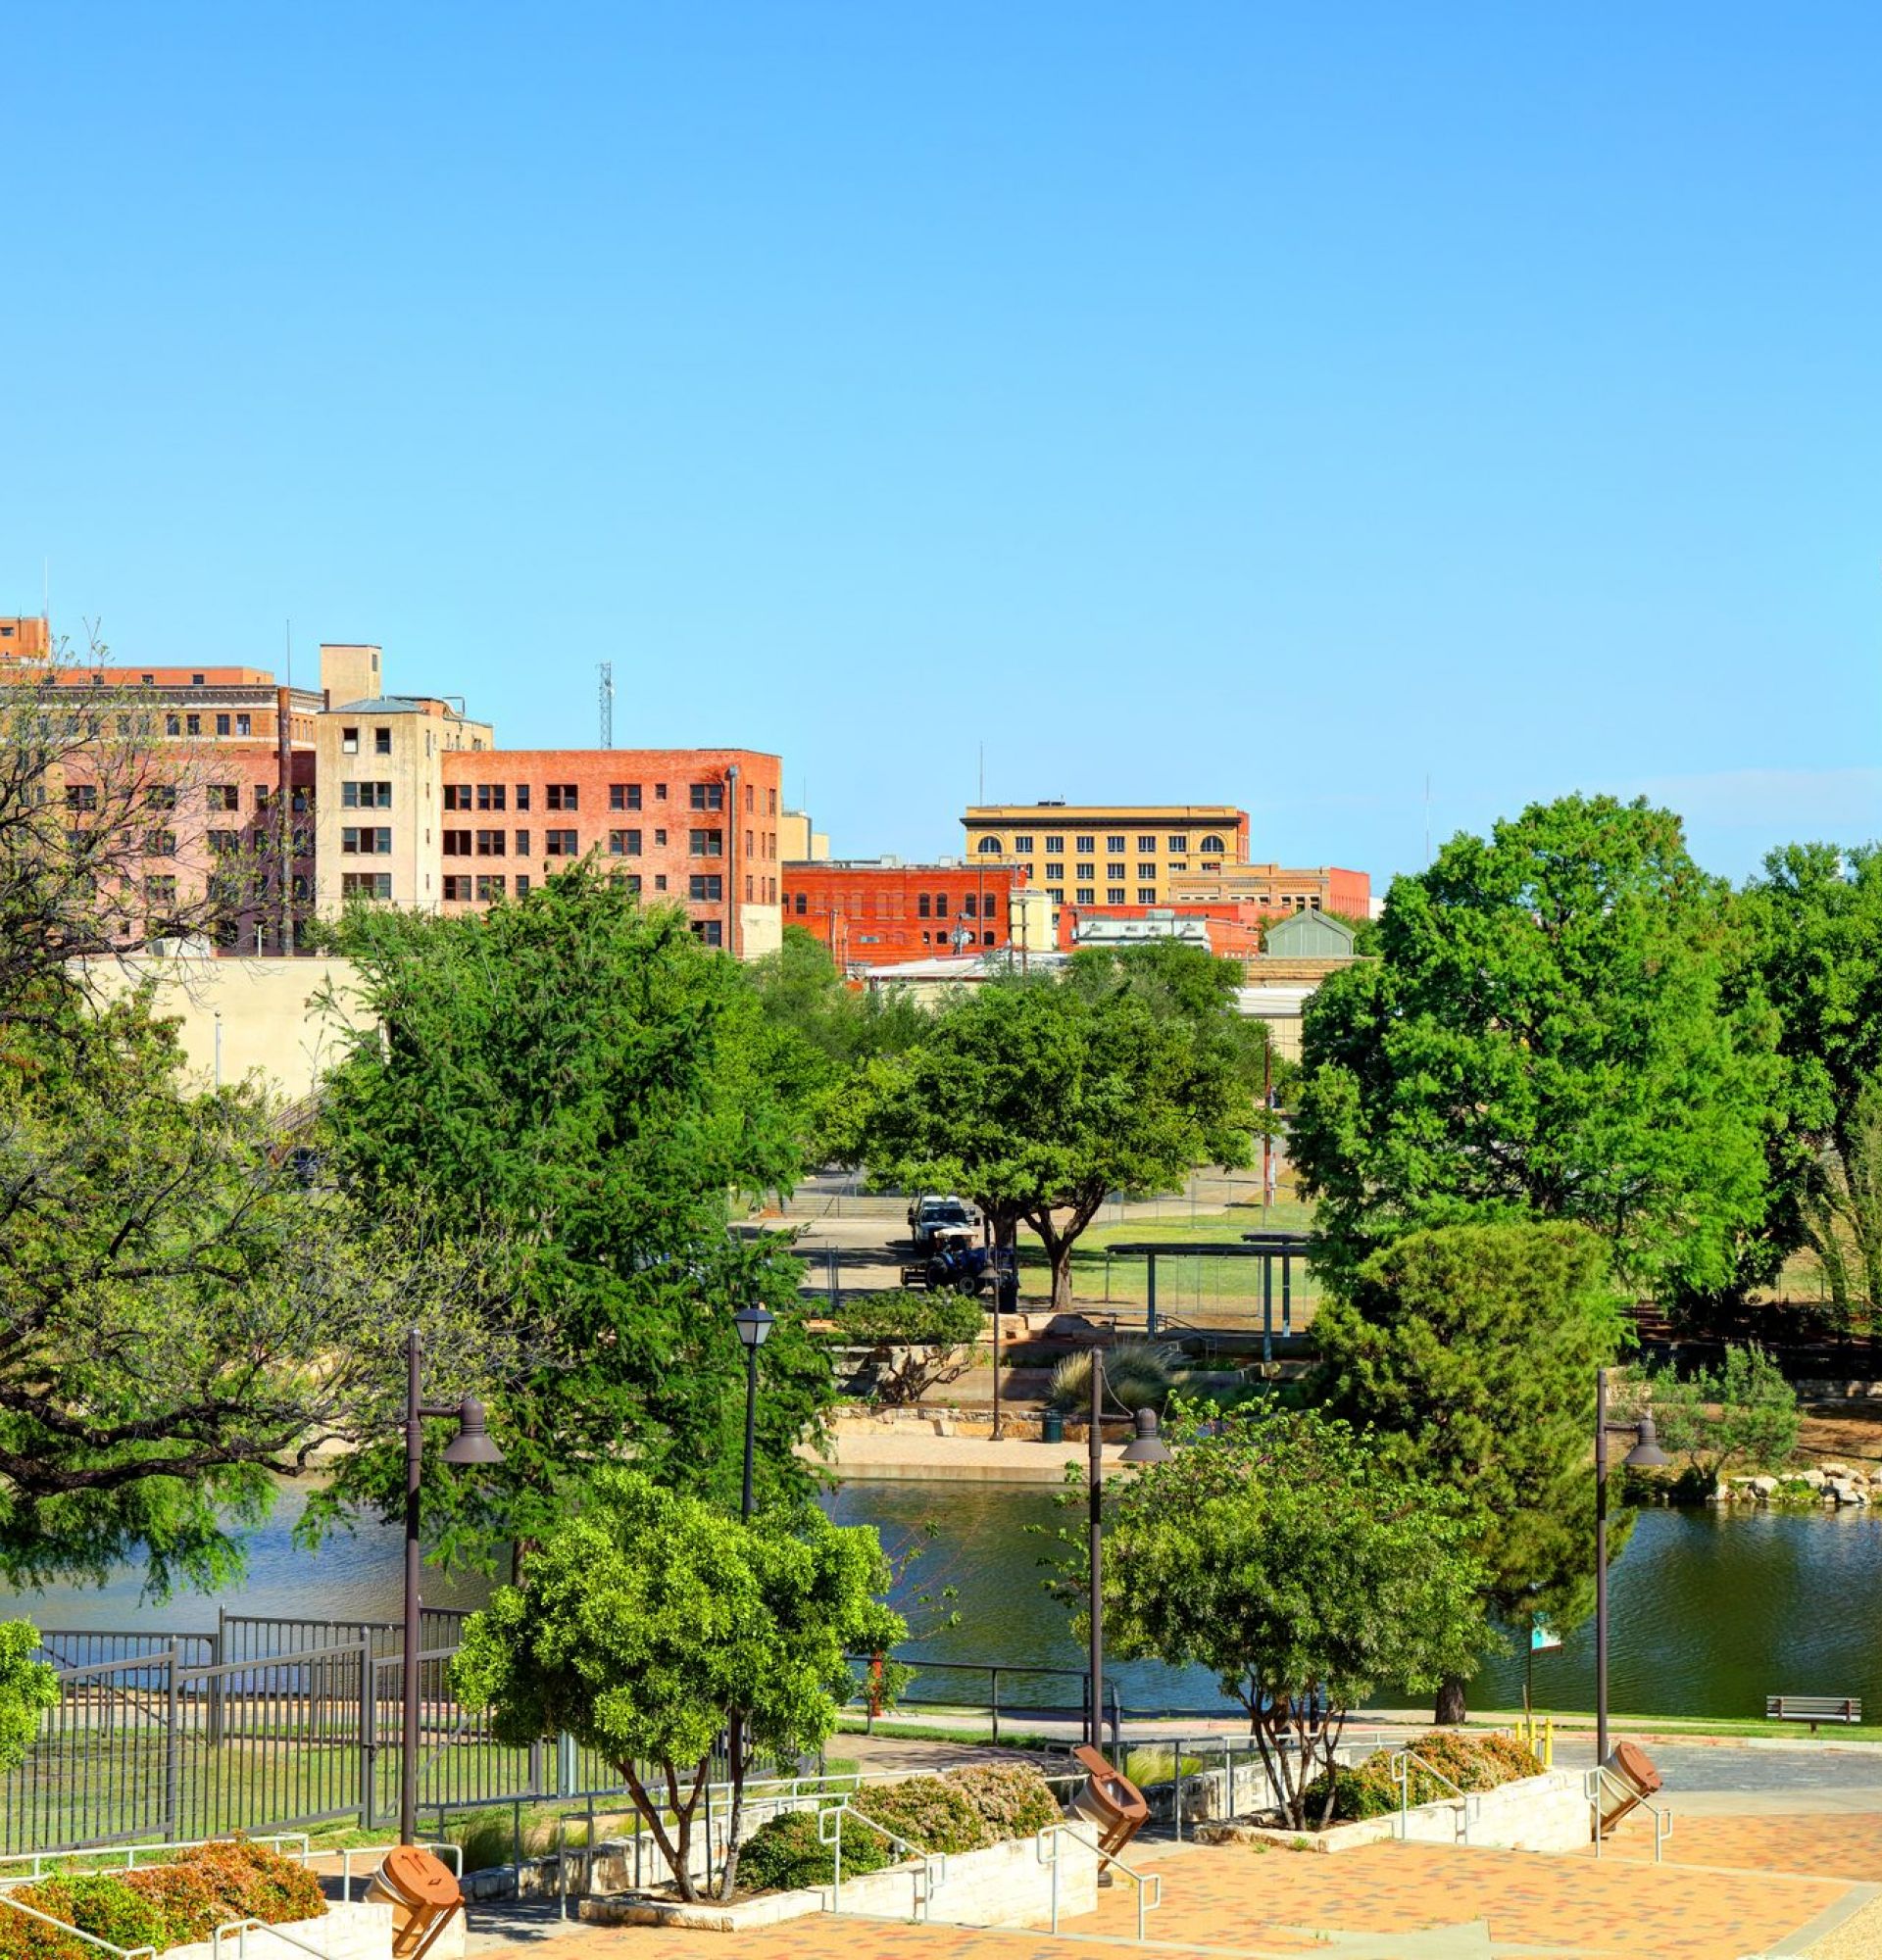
{"x": 734, "y": 1830}
{"x": 1059, "y": 1252}
{"x": 1449, "y": 1711}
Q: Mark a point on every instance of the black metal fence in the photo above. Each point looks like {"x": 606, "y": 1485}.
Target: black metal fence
{"x": 263, "y": 1725}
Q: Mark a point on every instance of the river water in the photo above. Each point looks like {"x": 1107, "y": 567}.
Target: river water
{"x": 1712, "y": 1610}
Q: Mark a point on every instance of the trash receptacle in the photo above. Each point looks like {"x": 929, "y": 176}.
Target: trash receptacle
{"x": 1630, "y": 1777}
{"x": 1052, "y": 1426}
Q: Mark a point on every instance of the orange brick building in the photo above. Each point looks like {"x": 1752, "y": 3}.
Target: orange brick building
{"x": 875, "y": 913}
{"x": 1275, "y": 890}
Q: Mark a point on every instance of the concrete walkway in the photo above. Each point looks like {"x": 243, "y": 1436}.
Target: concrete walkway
{"x": 910, "y": 1454}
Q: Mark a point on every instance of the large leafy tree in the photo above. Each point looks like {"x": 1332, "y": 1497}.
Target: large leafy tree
{"x": 1037, "y": 1100}
{"x": 1303, "y": 1567}
{"x": 27, "y": 1687}
{"x": 653, "y": 1623}
{"x": 1472, "y": 1351}
{"x": 1172, "y": 977}
{"x": 577, "y": 1077}
{"x": 1815, "y": 924}
{"x": 1555, "y": 1023}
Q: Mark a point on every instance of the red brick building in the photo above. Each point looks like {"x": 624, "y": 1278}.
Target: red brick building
{"x": 693, "y": 827}
{"x": 877, "y": 914}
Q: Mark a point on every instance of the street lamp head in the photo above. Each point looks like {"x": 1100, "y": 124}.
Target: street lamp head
{"x": 472, "y": 1443}
{"x": 1147, "y": 1445}
{"x": 753, "y": 1325}
{"x": 1646, "y": 1454}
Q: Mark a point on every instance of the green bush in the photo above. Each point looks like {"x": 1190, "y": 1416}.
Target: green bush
{"x": 932, "y": 1813}
{"x": 191, "y": 1905}
{"x": 256, "y": 1883}
{"x": 1012, "y": 1798}
{"x": 909, "y": 1319}
{"x": 1137, "y": 1375}
{"x": 784, "y": 1853}
{"x": 1473, "y": 1763}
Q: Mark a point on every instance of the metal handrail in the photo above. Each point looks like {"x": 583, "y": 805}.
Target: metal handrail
{"x": 241, "y": 1929}
{"x": 62, "y": 1860}
{"x": 1146, "y": 1903}
{"x": 1662, "y": 1818}
{"x": 1400, "y": 1766}
{"x": 921, "y": 1874}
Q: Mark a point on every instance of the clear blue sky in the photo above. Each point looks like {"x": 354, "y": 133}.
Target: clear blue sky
{"x": 1258, "y": 403}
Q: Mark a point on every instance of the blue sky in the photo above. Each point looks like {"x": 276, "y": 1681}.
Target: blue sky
{"x": 1276, "y": 405}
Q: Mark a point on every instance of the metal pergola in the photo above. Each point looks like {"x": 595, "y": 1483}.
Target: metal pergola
{"x": 1268, "y": 1247}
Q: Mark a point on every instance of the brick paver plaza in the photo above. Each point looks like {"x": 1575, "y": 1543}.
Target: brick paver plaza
{"x": 1732, "y": 1886}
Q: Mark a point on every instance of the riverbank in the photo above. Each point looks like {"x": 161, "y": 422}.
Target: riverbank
{"x": 912, "y": 1453}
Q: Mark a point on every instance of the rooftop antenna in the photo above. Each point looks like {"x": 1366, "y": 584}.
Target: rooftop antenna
{"x": 607, "y": 697}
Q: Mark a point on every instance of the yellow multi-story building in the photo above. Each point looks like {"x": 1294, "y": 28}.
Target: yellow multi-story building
{"x": 1107, "y": 853}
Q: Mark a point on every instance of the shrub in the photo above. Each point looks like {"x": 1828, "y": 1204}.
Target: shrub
{"x": 1471, "y": 1762}
{"x": 258, "y": 1883}
{"x": 932, "y": 1813}
{"x": 1012, "y": 1798}
{"x": 101, "y": 1904}
{"x": 187, "y": 1899}
{"x": 1137, "y": 1375}
{"x": 784, "y": 1853}
{"x": 24, "y": 1939}
{"x": 909, "y": 1319}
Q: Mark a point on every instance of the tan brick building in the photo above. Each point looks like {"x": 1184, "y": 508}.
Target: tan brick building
{"x": 1107, "y": 853}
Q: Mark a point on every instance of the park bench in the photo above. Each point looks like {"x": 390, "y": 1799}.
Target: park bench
{"x": 1812, "y": 1708}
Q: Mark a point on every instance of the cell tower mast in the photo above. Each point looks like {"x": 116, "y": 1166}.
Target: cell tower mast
{"x": 607, "y": 703}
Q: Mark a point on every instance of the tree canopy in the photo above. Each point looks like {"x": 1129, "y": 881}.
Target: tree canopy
{"x": 1557, "y": 1024}
{"x": 1301, "y": 1566}
{"x": 1037, "y": 1100}
{"x": 27, "y": 1687}
{"x": 574, "y": 1076}
{"x": 1739, "y": 1412}
{"x": 1473, "y": 1349}
{"x": 653, "y": 1623}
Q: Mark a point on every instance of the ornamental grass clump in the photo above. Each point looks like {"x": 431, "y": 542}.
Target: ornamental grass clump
{"x": 1137, "y": 1375}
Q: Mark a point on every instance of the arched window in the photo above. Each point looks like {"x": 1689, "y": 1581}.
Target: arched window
{"x": 1213, "y": 846}
{"x": 989, "y": 847}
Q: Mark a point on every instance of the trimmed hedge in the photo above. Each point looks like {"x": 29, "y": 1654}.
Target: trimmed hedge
{"x": 965, "y": 1810}
{"x": 909, "y": 1318}
{"x": 162, "y": 1906}
{"x": 1472, "y": 1762}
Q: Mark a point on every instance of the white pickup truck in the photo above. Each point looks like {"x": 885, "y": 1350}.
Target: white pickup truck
{"x": 933, "y": 1219}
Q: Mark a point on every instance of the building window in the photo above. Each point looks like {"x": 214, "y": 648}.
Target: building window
{"x": 161, "y": 891}
{"x": 382, "y": 741}
{"x": 1086, "y": 896}
{"x": 225, "y": 796}
{"x": 192, "y": 724}
{"x": 1146, "y": 870}
{"x": 491, "y": 795}
{"x": 243, "y": 726}
{"x": 457, "y": 842}
{"x": 1211, "y": 847}
{"x": 922, "y": 906}
{"x": 457, "y": 796}
{"x": 560, "y": 843}
{"x": 1057, "y": 894}
{"x": 1022, "y": 845}
{"x": 457, "y": 890}
{"x": 562, "y": 796}
{"x": 1146, "y": 846}
{"x": 1113, "y": 871}
{"x": 522, "y": 797}
{"x": 624, "y": 796}
{"x": 623, "y": 844}
{"x": 222, "y": 724}
{"x": 489, "y": 885}
{"x": 707, "y": 796}
{"x": 159, "y": 843}
{"x": 660, "y": 839}
{"x": 173, "y": 725}
{"x": 940, "y": 905}
{"x": 628, "y": 881}
{"x": 349, "y": 741}
{"x": 83, "y": 796}
{"x": 705, "y": 886}
{"x": 365, "y": 843}
{"x": 1178, "y": 846}
{"x": 224, "y": 843}
{"x": 660, "y": 792}
{"x": 1055, "y": 847}
{"x": 523, "y": 851}
{"x": 490, "y": 843}
{"x": 371, "y": 796}
{"x": 1086, "y": 869}
{"x": 365, "y": 884}
{"x": 709, "y": 932}
{"x": 1087, "y": 845}
{"x": 1115, "y": 894}
{"x": 748, "y": 888}
{"x": 1146, "y": 894}
{"x": 706, "y": 842}
{"x": 522, "y": 881}
{"x": 162, "y": 797}
{"x": 988, "y": 847}
{"x": 659, "y": 881}
{"x": 1115, "y": 844}
{"x": 969, "y": 908}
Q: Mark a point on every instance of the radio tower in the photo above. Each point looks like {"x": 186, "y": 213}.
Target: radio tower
{"x": 607, "y": 703}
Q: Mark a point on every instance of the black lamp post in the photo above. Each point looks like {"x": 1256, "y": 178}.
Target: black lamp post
{"x": 1646, "y": 1454}
{"x": 1146, "y": 1446}
{"x": 754, "y": 1326}
{"x": 471, "y": 1444}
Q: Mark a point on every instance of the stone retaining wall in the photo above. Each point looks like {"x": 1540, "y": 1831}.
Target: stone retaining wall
{"x": 361, "y": 1931}
{"x": 1540, "y": 1813}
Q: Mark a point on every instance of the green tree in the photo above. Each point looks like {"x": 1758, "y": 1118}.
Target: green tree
{"x": 578, "y": 1078}
{"x": 1557, "y": 1023}
{"x": 1741, "y": 1412}
{"x": 1172, "y": 977}
{"x": 1815, "y": 924}
{"x": 1303, "y": 1567}
{"x": 654, "y": 1622}
{"x": 1473, "y": 1349}
{"x": 1036, "y": 1101}
{"x": 27, "y": 1687}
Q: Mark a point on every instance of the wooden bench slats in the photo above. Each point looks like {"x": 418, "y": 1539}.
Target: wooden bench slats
{"x": 1812, "y": 1708}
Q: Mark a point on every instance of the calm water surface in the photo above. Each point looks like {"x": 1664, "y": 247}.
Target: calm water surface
{"x": 1710, "y": 1612}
